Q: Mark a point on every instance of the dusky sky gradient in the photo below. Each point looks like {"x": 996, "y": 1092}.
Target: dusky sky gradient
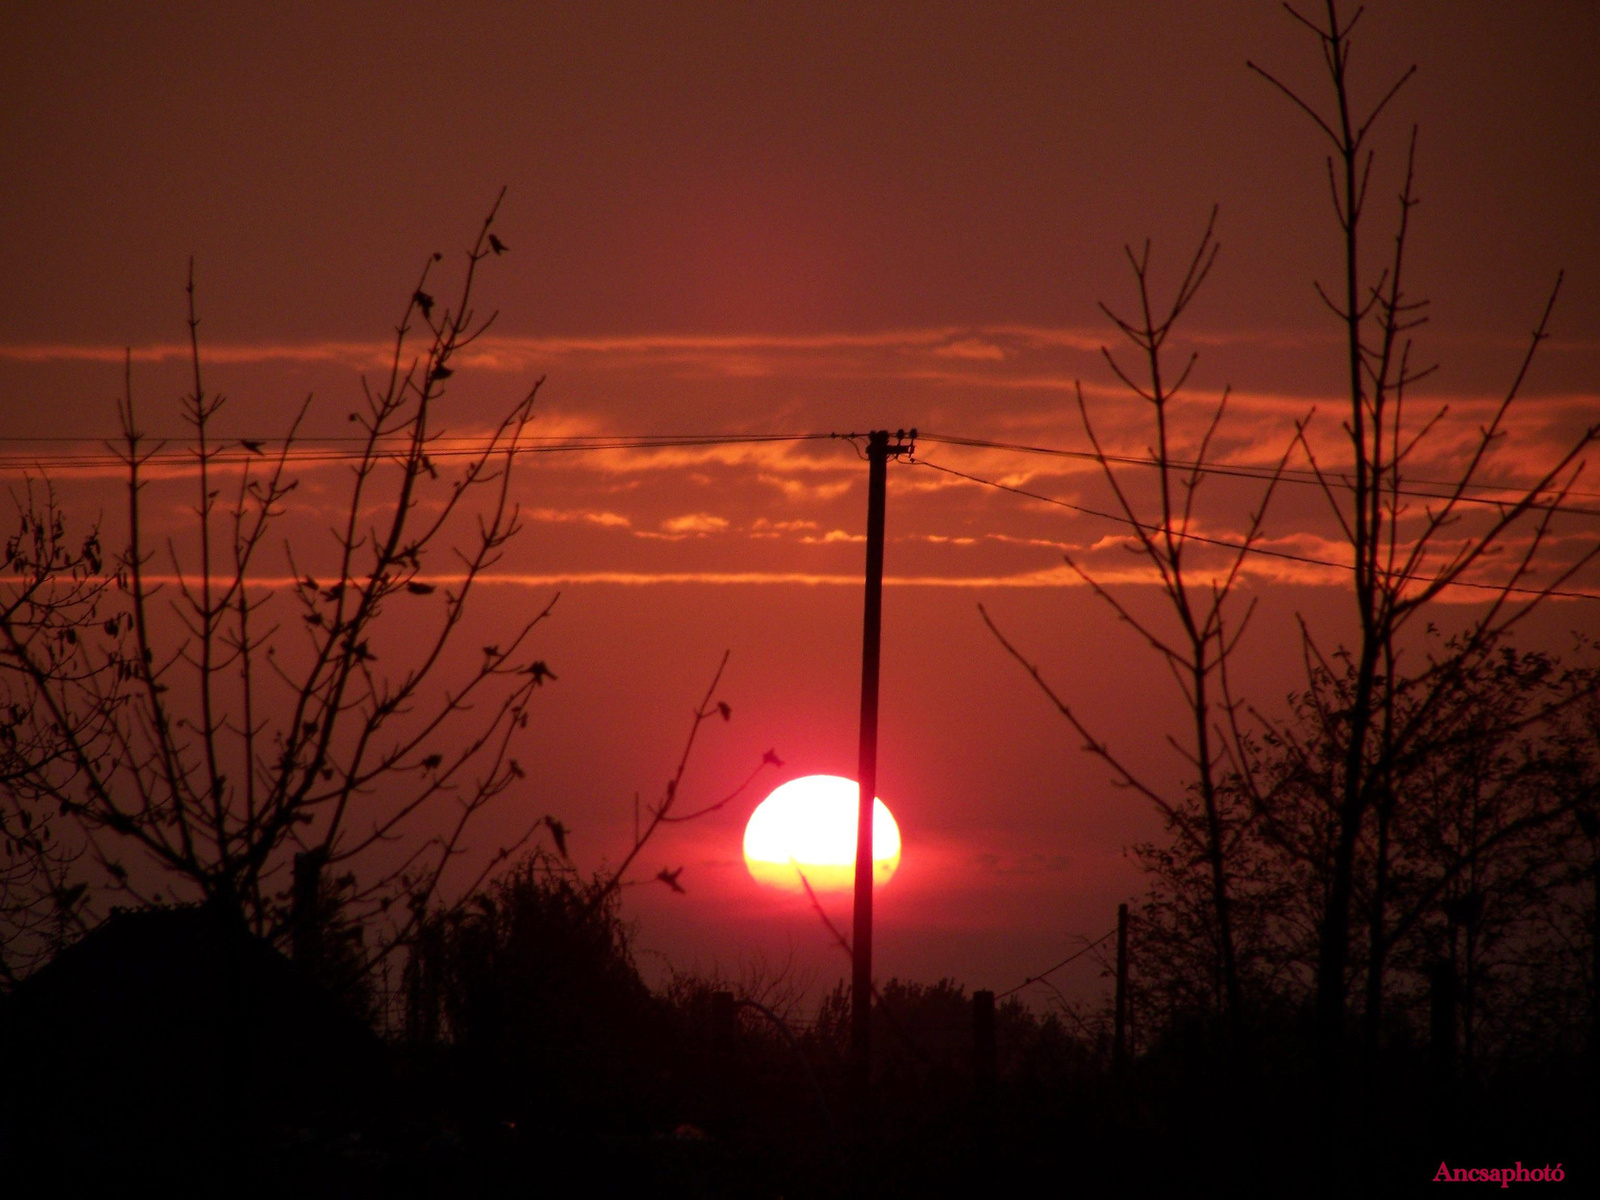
{"x": 804, "y": 219}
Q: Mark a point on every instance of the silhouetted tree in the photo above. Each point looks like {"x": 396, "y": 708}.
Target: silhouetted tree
{"x": 1564, "y": 965}
{"x": 223, "y": 725}
{"x": 1476, "y": 843}
{"x": 531, "y": 979}
{"x": 1176, "y": 974}
{"x": 667, "y": 808}
{"x": 1405, "y": 555}
{"x": 1157, "y": 501}
{"x": 532, "y": 987}
{"x": 49, "y": 601}
{"x": 1456, "y": 881}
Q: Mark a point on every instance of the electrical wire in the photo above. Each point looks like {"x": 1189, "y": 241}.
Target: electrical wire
{"x": 446, "y": 447}
{"x": 1248, "y": 548}
{"x": 336, "y": 448}
{"x": 1296, "y": 475}
{"x": 329, "y": 449}
{"x": 1042, "y": 975}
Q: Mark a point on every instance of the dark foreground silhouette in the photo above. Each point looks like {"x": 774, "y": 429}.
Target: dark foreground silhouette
{"x": 172, "y": 1046}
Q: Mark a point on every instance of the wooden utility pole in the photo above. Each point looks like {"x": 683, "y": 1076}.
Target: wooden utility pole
{"x": 985, "y": 1078}
{"x": 878, "y": 451}
{"x": 1119, "y": 1044}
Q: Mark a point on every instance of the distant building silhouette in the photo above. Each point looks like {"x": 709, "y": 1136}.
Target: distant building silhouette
{"x": 174, "y": 1035}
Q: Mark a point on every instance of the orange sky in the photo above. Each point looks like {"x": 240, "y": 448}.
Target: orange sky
{"x": 799, "y": 219}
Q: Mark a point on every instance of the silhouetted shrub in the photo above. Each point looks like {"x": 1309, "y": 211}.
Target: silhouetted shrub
{"x": 531, "y": 993}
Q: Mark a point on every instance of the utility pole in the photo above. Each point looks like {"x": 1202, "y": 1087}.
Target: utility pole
{"x": 1119, "y": 1041}
{"x": 879, "y": 450}
{"x": 986, "y": 1079}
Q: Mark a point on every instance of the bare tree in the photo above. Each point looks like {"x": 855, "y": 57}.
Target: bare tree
{"x": 1574, "y": 920}
{"x": 1404, "y": 555}
{"x": 48, "y": 602}
{"x": 1477, "y": 846}
{"x": 1199, "y": 591}
{"x": 227, "y": 726}
{"x": 1371, "y": 712}
{"x": 573, "y": 907}
{"x": 665, "y": 810}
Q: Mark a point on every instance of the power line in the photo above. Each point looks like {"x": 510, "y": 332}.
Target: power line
{"x": 1298, "y": 475}
{"x": 344, "y": 448}
{"x": 1122, "y": 520}
{"x": 1246, "y": 547}
{"x": 1042, "y": 975}
{"x": 446, "y": 447}
{"x": 559, "y": 441}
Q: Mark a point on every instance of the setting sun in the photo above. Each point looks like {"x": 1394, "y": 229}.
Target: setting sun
{"x": 809, "y": 825}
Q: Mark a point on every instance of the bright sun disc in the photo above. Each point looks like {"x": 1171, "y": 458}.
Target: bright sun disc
{"x": 809, "y": 825}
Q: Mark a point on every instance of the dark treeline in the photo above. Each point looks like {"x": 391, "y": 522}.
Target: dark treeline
{"x": 522, "y": 1049}
{"x": 1475, "y": 885}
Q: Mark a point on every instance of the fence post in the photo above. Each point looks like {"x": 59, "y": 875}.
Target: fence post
{"x": 1119, "y": 1045}
{"x": 722, "y": 1011}
{"x": 1442, "y": 993}
{"x": 985, "y": 1077}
